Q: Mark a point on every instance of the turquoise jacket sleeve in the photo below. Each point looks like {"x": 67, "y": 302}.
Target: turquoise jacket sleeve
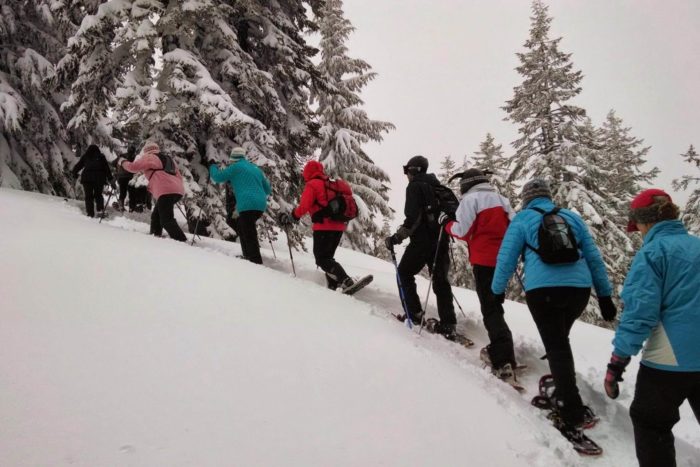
{"x": 508, "y": 256}
{"x": 595, "y": 262}
{"x": 641, "y": 295}
{"x": 266, "y": 184}
{"x": 218, "y": 175}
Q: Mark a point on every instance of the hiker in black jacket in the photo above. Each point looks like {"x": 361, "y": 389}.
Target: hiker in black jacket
{"x": 123, "y": 179}
{"x": 95, "y": 175}
{"x": 421, "y": 226}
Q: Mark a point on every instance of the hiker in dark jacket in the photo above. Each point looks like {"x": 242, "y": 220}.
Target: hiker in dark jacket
{"x": 421, "y": 226}
{"x": 123, "y": 179}
{"x": 94, "y": 177}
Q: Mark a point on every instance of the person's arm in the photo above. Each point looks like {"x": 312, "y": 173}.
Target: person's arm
{"x": 466, "y": 215}
{"x": 142, "y": 164}
{"x": 79, "y": 166}
{"x": 307, "y": 201}
{"x": 642, "y": 295}
{"x": 508, "y": 256}
{"x": 107, "y": 168}
{"x": 595, "y": 262}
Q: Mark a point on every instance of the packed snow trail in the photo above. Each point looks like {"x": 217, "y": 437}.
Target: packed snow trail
{"x": 118, "y": 348}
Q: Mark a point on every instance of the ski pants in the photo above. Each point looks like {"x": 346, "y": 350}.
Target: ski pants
{"x": 501, "y": 340}
{"x": 248, "y": 235}
{"x": 555, "y": 309}
{"x": 415, "y": 258}
{"x": 93, "y": 196}
{"x": 163, "y": 217}
{"x": 654, "y": 412}
{"x": 124, "y": 189}
{"x": 325, "y": 244}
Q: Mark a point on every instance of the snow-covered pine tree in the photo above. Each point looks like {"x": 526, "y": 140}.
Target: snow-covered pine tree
{"x": 490, "y": 157}
{"x": 448, "y": 167}
{"x": 558, "y": 143}
{"x": 346, "y": 128}
{"x": 199, "y": 77}
{"x": 34, "y": 150}
{"x": 691, "y": 211}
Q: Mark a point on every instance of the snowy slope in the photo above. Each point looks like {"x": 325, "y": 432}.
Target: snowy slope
{"x": 119, "y": 349}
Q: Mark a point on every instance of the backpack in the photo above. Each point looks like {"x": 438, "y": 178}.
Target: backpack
{"x": 446, "y": 200}
{"x": 557, "y": 241}
{"x": 168, "y": 165}
{"x": 342, "y": 207}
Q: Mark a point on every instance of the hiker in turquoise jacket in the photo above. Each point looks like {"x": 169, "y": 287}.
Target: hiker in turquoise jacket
{"x": 251, "y": 189}
{"x": 662, "y": 307}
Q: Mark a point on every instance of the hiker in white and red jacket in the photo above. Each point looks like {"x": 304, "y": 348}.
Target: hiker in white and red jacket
{"x": 481, "y": 220}
{"x": 167, "y": 190}
{"x": 661, "y": 315}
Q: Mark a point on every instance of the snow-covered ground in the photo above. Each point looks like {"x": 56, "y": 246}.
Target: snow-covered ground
{"x": 120, "y": 349}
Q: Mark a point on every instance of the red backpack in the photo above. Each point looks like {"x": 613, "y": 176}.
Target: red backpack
{"x": 341, "y": 207}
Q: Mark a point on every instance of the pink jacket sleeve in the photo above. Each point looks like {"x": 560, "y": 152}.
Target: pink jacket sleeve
{"x": 146, "y": 162}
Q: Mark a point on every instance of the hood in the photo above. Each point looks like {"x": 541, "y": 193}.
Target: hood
{"x": 541, "y": 202}
{"x": 430, "y": 179}
{"x": 313, "y": 169}
{"x": 92, "y": 152}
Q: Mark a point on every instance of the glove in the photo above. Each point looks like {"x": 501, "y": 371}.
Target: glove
{"x": 499, "y": 298}
{"x": 285, "y": 219}
{"x": 389, "y": 242}
{"x": 607, "y": 308}
{"x": 444, "y": 218}
{"x": 616, "y": 367}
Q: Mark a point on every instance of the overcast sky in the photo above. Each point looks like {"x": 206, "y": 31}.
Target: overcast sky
{"x": 447, "y": 66}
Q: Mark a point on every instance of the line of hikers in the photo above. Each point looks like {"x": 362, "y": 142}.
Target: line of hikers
{"x": 561, "y": 263}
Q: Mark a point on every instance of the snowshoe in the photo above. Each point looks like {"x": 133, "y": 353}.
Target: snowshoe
{"x": 434, "y": 326}
{"x": 507, "y": 373}
{"x": 350, "y": 287}
{"x": 547, "y": 401}
{"x": 486, "y": 358}
{"x": 415, "y": 319}
{"x": 575, "y": 435}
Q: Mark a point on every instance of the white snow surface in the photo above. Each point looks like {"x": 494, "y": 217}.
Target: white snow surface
{"x": 120, "y": 349}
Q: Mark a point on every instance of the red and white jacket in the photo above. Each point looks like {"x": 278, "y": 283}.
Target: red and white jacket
{"x": 482, "y": 219}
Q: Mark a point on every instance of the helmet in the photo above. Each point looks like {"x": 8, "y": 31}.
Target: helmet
{"x": 416, "y": 164}
{"x": 470, "y": 178}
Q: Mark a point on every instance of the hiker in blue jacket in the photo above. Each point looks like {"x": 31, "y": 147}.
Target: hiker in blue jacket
{"x": 251, "y": 189}
{"x": 662, "y": 307}
{"x": 556, "y": 294}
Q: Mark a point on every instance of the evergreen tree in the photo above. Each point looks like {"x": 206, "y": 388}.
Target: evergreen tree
{"x": 448, "y": 167}
{"x": 34, "y": 150}
{"x": 345, "y": 127}
{"x": 490, "y": 157}
{"x": 199, "y": 78}
{"x": 691, "y": 212}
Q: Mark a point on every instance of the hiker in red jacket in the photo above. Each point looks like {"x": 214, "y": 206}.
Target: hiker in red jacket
{"x": 167, "y": 190}
{"x": 327, "y": 233}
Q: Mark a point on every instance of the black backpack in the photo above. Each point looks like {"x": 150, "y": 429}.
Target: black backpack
{"x": 168, "y": 165}
{"x": 446, "y": 200}
{"x": 557, "y": 241}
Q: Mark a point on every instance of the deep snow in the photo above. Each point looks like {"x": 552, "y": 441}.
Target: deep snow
{"x": 120, "y": 349}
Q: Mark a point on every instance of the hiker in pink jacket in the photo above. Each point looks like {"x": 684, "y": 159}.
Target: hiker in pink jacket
{"x": 166, "y": 186}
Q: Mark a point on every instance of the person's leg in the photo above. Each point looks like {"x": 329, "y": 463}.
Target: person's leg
{"x": 89, "y": 199}
{"x": 654, "y": 411}
{"x": 442, "y": 287}
{"x": 325, "y": 244}
{"x": 165, "y": 206}
{"x": 501, "y": 339}
{"x": 249, "y": 236}
{"x": 123, "y": 190}
{"x": 132, "y": 197}
{"x": 551, "y": 308}
{"x": 412, "y": 261}
{"x": 156, "y": 225}
{"x": 99, "y": 199}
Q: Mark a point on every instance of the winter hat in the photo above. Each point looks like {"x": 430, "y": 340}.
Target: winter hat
{"x": 471, "y": 178}
{"x": 649, "y": 207}
{"x": 535, "y": 188}
{"x": 415, "y": 165}
{"x": 150, "y": 148}
{"x": 237, "y": 154}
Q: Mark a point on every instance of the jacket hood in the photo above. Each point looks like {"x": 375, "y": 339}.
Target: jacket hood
{"x": 92, "y": 151}
{"x": 430, "y": 179}
{"x": 541, "y": 202}
{"x": 663, "y": 228}
{"x": 313, "y": 169}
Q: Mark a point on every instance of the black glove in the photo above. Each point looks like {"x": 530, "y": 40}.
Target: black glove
{"x": 499, "y": 298}
{"x": 608, "y": 310}
{"x": 613, "y": 376}
{"x": 444, "y": 218}
{"x": 286, "y": 219}
{"x": 389, "y": 242}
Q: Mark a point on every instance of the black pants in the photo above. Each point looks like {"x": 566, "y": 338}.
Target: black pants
{"x": 93, "y": 195}
{"x": 654, "y": 411}
{"x": 325, "y": 244}
{"x": 501, "y": 348}
{"x": 415, "y": 258}
{"x": 124, "y": 189}
{"x": 555, "y": 309}
{"x": 248, "y": 235}
{"x": 163, "y": 217}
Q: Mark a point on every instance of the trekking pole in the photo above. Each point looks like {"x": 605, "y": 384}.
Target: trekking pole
{"x": 196, "y": 226}
{"x": 291, "y": 257}
{"x": 430, "y": 284}
{"x": 408, "y": 320}
{"x": 269, "y": 239}
{"x": 111, "y": 193}
{"x": 458, "y": 305}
